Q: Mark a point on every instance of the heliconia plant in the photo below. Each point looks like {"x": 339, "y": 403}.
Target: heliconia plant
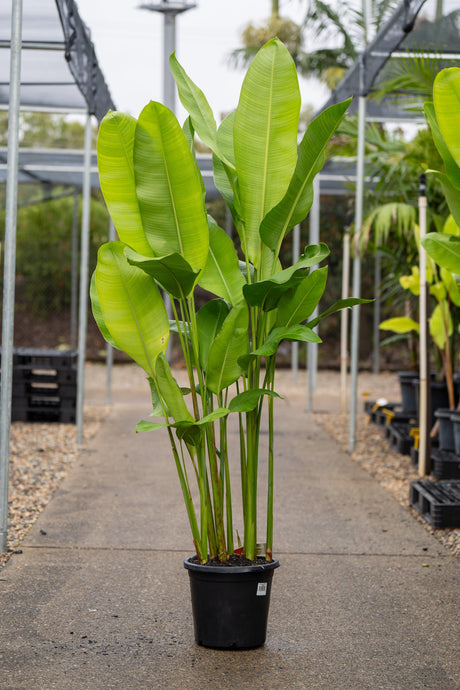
{"x": 443, "y": 321}
{"x": 443, "y": 116}
{"x": 168, "y": 246}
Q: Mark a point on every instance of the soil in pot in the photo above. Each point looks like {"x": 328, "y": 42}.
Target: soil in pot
{"x": 230, "y": 601}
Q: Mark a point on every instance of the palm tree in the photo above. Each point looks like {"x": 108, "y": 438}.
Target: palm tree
{"x": 344, "y": 29}
{"x": 344, "y": 33}
{"x": 254, "y": 37}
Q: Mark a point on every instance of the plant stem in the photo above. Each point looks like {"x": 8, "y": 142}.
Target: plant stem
{"x": 269, "y": 547}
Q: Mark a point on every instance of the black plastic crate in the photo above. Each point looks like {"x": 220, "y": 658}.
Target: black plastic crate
{"x": 44, "y": 359}
{"x": 25, "y": 389}
{"x": 44, "y": 385}
{"x": 375, "y": 411}
{"x": 445, "y": 464}
{"x": 26, "y": 373}
{"x": 44, "y": 414}
{"x": 437, "y": 502}
{"x": 400, "y": 437}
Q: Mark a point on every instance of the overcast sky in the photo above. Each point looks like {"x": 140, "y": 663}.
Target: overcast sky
{"x": 129, "y": 46}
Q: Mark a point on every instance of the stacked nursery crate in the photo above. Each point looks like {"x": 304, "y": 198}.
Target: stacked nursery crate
{"x": 44, "y": 386}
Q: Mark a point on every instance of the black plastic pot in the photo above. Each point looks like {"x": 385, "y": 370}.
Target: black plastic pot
{"x": 446, "y": 428}
{"x": 438, "y": 393}
{"x": 230, "y": 604}
{"x": 455, "y": 419}
{"x": 406, "y": 378}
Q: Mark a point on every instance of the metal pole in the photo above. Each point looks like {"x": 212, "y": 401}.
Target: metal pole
{"x": 83, "y": 306}
{"x": 9, "y": 265}
{"x": 312, "y": 348}
{"x": 357, "y": 269}
{"x": 295, "y": 345}
{"x": 424, "y": 460}
{"x": 169, "y": 46}
{"x": 377, "y": 319}
{"x": 74, "y": 272}
{"x": 344, "y": 320}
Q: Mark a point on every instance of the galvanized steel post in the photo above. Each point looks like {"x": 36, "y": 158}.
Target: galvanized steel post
{"x": 9, "y": 264}
{"x": 83, "y": 305}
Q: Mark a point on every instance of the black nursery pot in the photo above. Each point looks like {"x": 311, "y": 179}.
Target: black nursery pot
{"x": 455, "y": 419}
{"x": 446, "y": 428}
{"x": 406, "y": 379}
{"x": 230, "y": 604}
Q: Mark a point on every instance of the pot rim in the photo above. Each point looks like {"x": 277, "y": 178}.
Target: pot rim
{"x": 228, "y": 569}
{"x": 444, "y": 412}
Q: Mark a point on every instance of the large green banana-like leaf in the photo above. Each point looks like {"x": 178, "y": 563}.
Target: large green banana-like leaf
{"x": 168, "y": 188}
{"x": 297, "y": 306}
{"x": 115, "y": 144}
{"x": 209, "y": 321}
{"x": 295, "y": 205}
{"x": 97, "y": 312}
{"x": 170, "y": 391}
{"x": 400, "y": 324}
{"x": 451, "y": 286}
{"x": 451, "y": 193}
{"x": 338, "y": 306}
{"x": 195, "y": 103}
{"x": 131, "y": 307}
{"x": 171, "y": 272}
{"x": 444, "y": 249}
{"x": 248, "y": 400}
{"x": 441, "y": 326}
{"x": 296, "y": 333}
{"x": 267, "y": 293}
{"x": 189, "y": 133}
{"x": 222, "y": 274}
{"x": 231, "y": 342}
{"x": 265, "y": 138}
{"x": 446, "y": 98}
{"x": 451, "y": 167}
{"x": 224, "y": 173}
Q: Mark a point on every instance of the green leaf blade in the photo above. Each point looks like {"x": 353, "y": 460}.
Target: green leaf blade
{"x": 171, "y": 272}
{"x": 131, "y": 306}
{"x": 298, "y": 306}
{"x": 231, "y": 342}
{"x": 296, "y": 203}
{"x": 265, "y": 138}
{"x": 168, "y": 188}
{"x": 115, "y": 145}
{"x": 222, "y": 275}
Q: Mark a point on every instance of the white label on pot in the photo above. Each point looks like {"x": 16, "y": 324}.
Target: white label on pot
{"x": 261, "y": 589}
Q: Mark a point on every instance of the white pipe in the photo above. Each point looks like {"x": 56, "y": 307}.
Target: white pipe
{"x": 9, "y": 265}
{"x": 423, "y": 463}
{"x": 377, "y": 312}
{"x": 83, "y": 303}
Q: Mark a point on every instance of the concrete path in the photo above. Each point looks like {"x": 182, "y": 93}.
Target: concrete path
{"x": 365, "y": 597}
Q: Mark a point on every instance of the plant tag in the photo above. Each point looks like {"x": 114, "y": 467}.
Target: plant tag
{"x": 261, "y": 589}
